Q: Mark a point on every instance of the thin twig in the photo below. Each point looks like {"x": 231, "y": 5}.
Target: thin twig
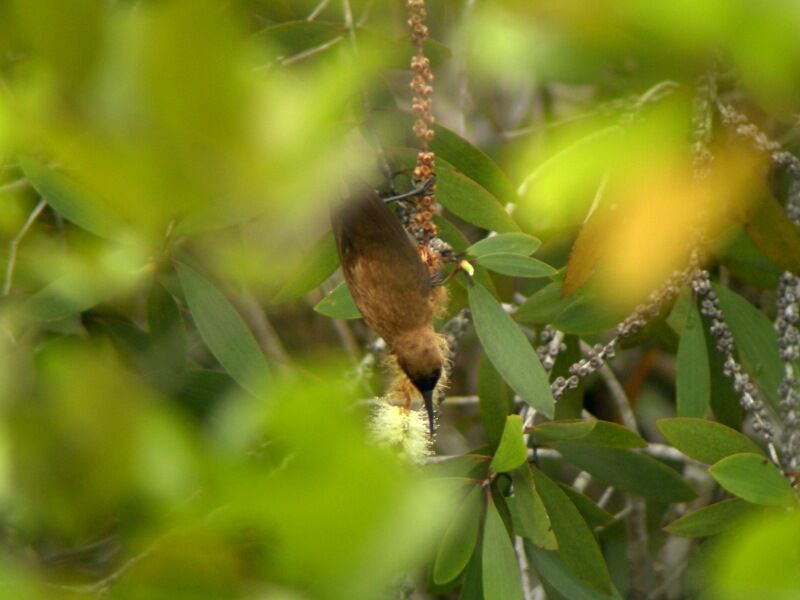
{"x": 14, "y": 185}
{"x": 319, "y": 8}
{"x": 524, "y": 574}
{"x": 14, "y": 244}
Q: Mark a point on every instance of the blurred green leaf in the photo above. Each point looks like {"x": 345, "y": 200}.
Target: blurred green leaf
{"x": 747, "y": 262}
{"x": 64, "y": 297}
{"x": 223, "y": 330}
{"x": 756, "y": 341}
{"x": 705, "y": 441}
{"x": 494, "y": 400}
{"x": 629, "y": 470}
{"x": 511, "y": 452}
{"x": 754, "y": 478}
{"x": 509, "y": 350}
{"x": 316, "y": 267}
{"x": 499, "y": 563}
{"x": 72, "y": 202}
{"x": 459, "y": 539}
{"x": 587, "y": 431}
{"x": 468, "y": 200}
{"x": 505, "y": 243}
{"x": 516, "y": 265}
{"x": 338, "y": 304}
{"x": 693, "y": 380}
{"x": 711, "y": 519}
{"x": 534, "y": 521}
{"x": 472, "y": 587}
{"x": 167, "y": 331}
{"x": 584, "y": 315}
{"x": 775, "y": 235}
{"x": 577, "y": 545}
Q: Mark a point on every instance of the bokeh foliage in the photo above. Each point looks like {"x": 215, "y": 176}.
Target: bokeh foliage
{"x": 175, "y": 419}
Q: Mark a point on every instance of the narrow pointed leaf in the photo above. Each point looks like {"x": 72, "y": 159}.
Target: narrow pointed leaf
{"x": 512, "y": 451}
{"x": 592, "y": 514}
{"x": 533, "y": 519}
{"x": 705, "y": 441}
{"x": 505, "y": 243}
{"x": 459, "y": 540}
{"x": 509, "y": 350}
{"x": 72, "y": 202}
{"x": 495, "y": 402}
{"x": 629, "y": 470}
{"x": 693, "y": 382}
{"x": 577, "y": 545}
{"x": 553, "y": 571}
{"x": 754, "y": 478}
{"x": 587, "y": 431}
{"x": 500, "y": 571}
{"x": 516, "y": 265}
{"x": 167, "y": 331}
{"x": 466, "y": 199}
{"x": 222, "y": 329}
{"x": 711, "y": 519}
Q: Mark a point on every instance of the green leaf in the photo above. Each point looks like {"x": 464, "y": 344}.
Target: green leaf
{"x": 592, "y": 514}
{"x": 711, "y": 519}
{"x": 495, "y": 402}
{"x": 543, "y": 306}
{"x": 553, "y": 571}
{"x": 516, "y": 265}
{"x": 472, "y": 586}
{"x": 223, "y": 330}
{"x": 693, "y": 381}
{"x": 775, "y": 235}
{"x": 724, "y": 398}
{"x": 754, "y": 478}
{"x": 338, "y": 304}
{"x": 587, "y": 315}
{"x": 500, "y": 571}
{"x": 320, "y": 263}
{"x": 705, "y": 441}
{"x": 534, "y": 522}
{"x": 509, "y": 350}
{"x": 167, "y": 331}
{"x": 587, "y": 431}
{"x": 459, "y": 540}
{"x": 512, "y": 451}
{"x": 73, "y": 202}
{"x": 468, "y": 200}
{"x": 629, "y": 471}
{"x": 505, "y": 243}
{"x": 66, "y": 296}
{"x": 577, "y": 545}
{"x": 756, "y": 341}
{"x": 748, "y": 263}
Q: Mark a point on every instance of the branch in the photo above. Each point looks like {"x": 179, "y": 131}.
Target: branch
{"x": 14, "y": 244}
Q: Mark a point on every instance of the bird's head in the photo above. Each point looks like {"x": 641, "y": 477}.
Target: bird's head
{"x": 422, "y": 359}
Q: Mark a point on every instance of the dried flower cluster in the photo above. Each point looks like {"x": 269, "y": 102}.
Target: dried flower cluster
{"x": 420, "y": 221}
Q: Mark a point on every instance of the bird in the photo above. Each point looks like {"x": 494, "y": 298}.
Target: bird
{"x": 393, "y": 289}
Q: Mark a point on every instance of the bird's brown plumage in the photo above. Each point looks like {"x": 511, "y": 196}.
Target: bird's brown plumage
{"x": 391, "y": 286}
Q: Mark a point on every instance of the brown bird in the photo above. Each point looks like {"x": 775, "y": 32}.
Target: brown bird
{"x": 393, "y": 289}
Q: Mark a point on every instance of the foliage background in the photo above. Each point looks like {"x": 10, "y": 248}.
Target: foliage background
{"x": 175, "y": 419}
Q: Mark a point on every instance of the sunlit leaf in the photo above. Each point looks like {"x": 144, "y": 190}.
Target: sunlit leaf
{"x": 500, "y": 570}
{"x": 459, "y": 539}
{"x": 320, "y": 263}
{"x": 711, "y": 519}
{"x": 693, "y": 380}
{"x": 505, "y": 243}
{"x": 511, "y": 452}
{"x": 577, "y": 546}
{"x": 468, "y": 200}
{"x": 705, "y": 441}
{"x": 338, "y": 304}
{"x": 222, "y": 329}
{"x": 516, "y": 265}
{"x": 509, "y": 350}
{"x": 754, "y": 478}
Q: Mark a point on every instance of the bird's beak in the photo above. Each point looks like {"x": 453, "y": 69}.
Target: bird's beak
{"x": 427, "y": 397}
